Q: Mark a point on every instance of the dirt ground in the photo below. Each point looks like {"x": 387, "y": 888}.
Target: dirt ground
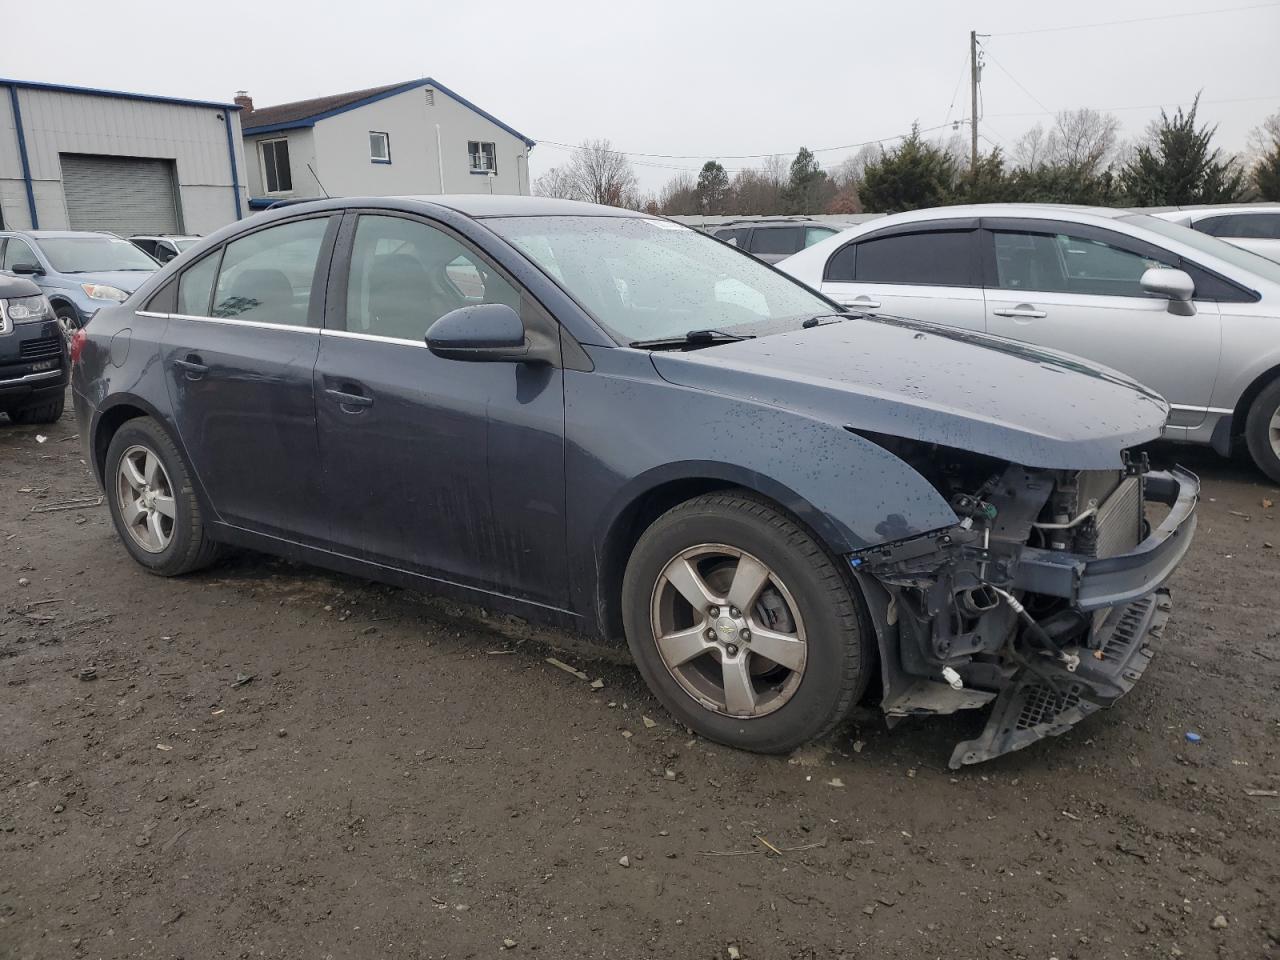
{"x": 278, "y": 762}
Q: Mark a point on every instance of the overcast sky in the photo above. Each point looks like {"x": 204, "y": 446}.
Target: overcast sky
{"x": 711, "y": 79}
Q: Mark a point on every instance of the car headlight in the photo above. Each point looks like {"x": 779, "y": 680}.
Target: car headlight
{"x": 101, "y": 291}
{"x": 24, "y": 310}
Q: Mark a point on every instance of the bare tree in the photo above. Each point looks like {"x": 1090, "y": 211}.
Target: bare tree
{"x": 556, "y": 182}
{"x": 758, "y": 191}
{"x": 679, "y": 196}
{"x": 1083, "y": 140}
{"x": 596, "y": 173}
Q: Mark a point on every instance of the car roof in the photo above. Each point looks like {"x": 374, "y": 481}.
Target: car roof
{"x": 1038, "y": 210}
{"x": 479, "y": 205}
{"x": 58, "y": 234}
{"x": 1206, "y": 210}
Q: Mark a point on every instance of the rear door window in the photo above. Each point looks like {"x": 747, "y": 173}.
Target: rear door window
{"x": 777, "y": 240}
{"x": 267, "y": 276}
{"x": 1256, "y": 226}
{"x": 936, "y": 258}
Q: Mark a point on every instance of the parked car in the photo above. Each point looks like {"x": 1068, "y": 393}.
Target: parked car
{"x": 79, "y": 271}
{"x": 773, "y": 240}
{"x": 165, "y": 247}
{"x": 630, "y": 429}
{"x": 33, "y": 354}
{"x": 1188, "y": 314}
{"x": 1254, "y": 226}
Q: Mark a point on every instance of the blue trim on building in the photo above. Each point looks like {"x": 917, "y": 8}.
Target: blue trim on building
{"x": 310, "y": 121}
{"x": 235, "y": 170}
{"x": 22, "y": 155}
{"x": 97, "y": 92}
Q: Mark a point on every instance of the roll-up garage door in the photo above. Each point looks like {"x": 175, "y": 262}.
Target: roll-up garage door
{"x": 125, "y": 195}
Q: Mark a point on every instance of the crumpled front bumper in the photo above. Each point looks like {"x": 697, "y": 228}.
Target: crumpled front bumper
{"x": 1093, "y": 584}
{"x": 1131, "y": 603}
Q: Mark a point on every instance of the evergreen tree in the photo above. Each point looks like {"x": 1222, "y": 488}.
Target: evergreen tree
{"x": 914, "y": 174}
{"x": 1180, "y": 166}
{"x": 713, "y": 187}
{"x": 808, "y": 189}
{"x": 1266, "y": 174}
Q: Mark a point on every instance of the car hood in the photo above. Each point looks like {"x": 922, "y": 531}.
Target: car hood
{"x": 126, "y": 280}
{"x": 918, "y": 381}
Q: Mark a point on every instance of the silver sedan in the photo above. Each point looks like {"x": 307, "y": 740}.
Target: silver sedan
{"x": 1192, "y": 316}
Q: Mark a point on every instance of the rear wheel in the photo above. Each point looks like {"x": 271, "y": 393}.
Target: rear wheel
{"x": 50, "y": 412}
{"x": 152, "y": 503}
{"x": 1262, "y": 430}
{"x": 743, "y": 626}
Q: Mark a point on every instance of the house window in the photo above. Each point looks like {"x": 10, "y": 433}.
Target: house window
{"x": 484, "y": 156}
{"x": 379, "y": 147}
{"x": 275, "y": 166}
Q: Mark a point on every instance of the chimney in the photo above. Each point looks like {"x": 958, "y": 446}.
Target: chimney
{"x": 243, "y": 100}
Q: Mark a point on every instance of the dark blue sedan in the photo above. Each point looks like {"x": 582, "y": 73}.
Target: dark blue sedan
{"x": 607, "y": 421}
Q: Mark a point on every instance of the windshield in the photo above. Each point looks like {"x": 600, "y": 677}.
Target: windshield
{"x": 1229, "y": 252}
{"x": 646, "y": 279}
{"x": 94, "y": 255}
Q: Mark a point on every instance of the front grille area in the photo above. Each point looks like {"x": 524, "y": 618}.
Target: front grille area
{"x": 42, "y": 348}
{"x": 1042, "y": 705}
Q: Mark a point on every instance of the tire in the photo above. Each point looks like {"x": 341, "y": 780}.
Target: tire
{"x": 804, "y": 597}
{"x": 166, "y": 545}
{"x": 68, "y": 320}
{"x": 1262, "y": 430}
{"x": 50, "y": 412}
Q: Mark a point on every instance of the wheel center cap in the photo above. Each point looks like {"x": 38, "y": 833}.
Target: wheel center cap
{"x": 726, "y": 629}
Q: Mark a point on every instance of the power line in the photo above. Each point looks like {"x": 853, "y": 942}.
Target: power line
{"x": 1141, "y": 106}
{"x": 737, "y": 156}
{"x": 1114, "y": 23}
{"x": 1016, "y": 81}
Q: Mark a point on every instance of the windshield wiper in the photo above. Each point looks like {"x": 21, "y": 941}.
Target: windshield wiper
{"x": 694, "y": 338}
{"x": 823, "y": 319}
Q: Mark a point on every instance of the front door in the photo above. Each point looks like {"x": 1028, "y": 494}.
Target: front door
{"x": 238, "y": 356}
{"x": 1077, "y": 289}
{"x": 927, "y": 272}
{"x": 447, "y": 468}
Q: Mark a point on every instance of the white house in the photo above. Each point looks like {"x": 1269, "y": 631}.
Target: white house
{"x": 417, "y": 137}
{"x": 81, "y": 158}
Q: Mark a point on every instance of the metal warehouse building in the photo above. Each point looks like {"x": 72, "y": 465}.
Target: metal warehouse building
{"x": 75, "y": 158}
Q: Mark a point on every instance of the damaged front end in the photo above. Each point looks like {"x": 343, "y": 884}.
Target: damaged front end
{"x": 1043, "y": 600}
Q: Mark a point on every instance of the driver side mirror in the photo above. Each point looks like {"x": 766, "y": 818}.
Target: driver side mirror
{"x": 27, "y": 269}
{"x": 484, "y": 332}
{"x": 1176, "y": 286}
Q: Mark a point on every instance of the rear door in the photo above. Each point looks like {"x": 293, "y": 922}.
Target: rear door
{"x": 238, "y": 354}
{"x": 927, "y": 271}
{"x": 1076, "y": 288}
{"x": 451, "y": 469}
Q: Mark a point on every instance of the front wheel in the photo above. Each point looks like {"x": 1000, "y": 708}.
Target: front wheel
{"x": 152, "y": 503}
{"x": 743, "y": 626}
{"x": 68, "y": 320}
{"x": 1262, "y": 430}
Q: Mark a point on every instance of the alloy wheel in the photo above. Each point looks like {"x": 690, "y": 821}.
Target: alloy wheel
{"x": 728, "y": 631}
{"x": 1273, "y": 432}
{"x": 144, "y": 494}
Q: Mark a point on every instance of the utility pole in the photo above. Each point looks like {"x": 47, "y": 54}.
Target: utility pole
{"x": 973, "y": 107}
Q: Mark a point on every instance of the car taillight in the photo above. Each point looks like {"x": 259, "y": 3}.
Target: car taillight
{"x": 78, "y": 340}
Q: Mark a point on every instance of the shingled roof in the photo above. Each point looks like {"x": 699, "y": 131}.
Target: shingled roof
{"x": 304, "y": 113}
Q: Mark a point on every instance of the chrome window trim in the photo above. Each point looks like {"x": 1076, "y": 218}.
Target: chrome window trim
{"x": 42, "y": 375}
{"x": 151, "y": 314}
{"x": 352, "y": 335}
{"x": 231, "y": 321}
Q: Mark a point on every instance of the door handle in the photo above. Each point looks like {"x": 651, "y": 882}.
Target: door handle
{"x": 355, "y": 401}
{"x": 194, "y": 369}
{"x": 1023, "y": 310}
{"x": 860, "y": 302}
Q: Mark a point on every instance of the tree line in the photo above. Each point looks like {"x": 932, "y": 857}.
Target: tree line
{"x": 1079, "y": 158}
